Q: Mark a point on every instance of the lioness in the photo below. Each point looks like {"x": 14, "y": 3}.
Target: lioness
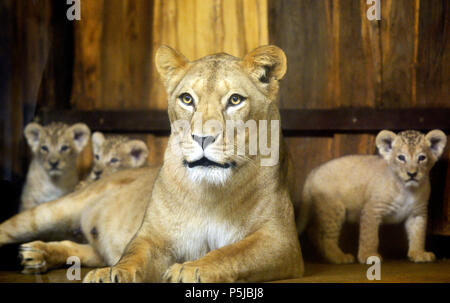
{"x": 53, "y": 169}
{"x": 114, "y": 153}
{"x": 210, "y": 216}
{"x": 372, "y": 190}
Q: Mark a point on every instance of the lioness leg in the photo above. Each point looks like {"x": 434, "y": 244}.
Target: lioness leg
{"x": 62, "y": 215}
{"x": 39, "y": 257}
{"x": 255, "y": 258}
{"x": 326, "y": 229}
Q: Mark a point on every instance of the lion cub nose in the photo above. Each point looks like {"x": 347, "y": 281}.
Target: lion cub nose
{"x": 204, "y": 141}
{"x": 53, "y": 164}
{"x": 412, "y": 175}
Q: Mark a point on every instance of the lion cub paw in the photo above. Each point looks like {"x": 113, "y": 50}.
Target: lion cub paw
{"x": 342, "y": 259}
{"x": 33, "y": 257}
{"x": 190, "y": 273}
{"x": 421, "y": 256}
{"x": 362, "y": 257}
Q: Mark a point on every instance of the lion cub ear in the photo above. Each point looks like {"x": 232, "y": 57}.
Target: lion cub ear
{"x": 436, "y": 140}
{"x": 384, "y": 141}
{"x": 97, "y": 141}
{"x": 80, "y": 134}
{"x": 266, "y": 65}
{"x": 33, "y": 132}
{"x": 138, "y": 152}
{"x": 170, "y": 64}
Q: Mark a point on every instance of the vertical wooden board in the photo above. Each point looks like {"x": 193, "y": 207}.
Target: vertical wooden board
{"x": 433, "y": 64}
{"x": 156, "y": 148}
{"x": 300, "y": 28}
{"x": 87, "y": 76}
{"x": 115, "y": 62}
{"x": 397, "y": 43}
{"x": 332, "y": 51}
{"x": 306, "y": 154}
{"x": 355, "y": 144}
{"x": 138, "y": 50}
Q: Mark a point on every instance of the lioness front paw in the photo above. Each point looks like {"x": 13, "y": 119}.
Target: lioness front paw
{"x": 110, "y": 275}
{"x": 33, "y": 257}
{"x": 362, "y": 257}
{"x": 189, "y": 272}
{"x": 421, "y": 256}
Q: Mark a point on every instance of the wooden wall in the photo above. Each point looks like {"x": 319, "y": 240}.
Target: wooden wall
{"x": 337, "y": 58}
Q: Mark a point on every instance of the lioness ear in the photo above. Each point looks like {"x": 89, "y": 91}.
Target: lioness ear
{"x": 138, "y": 151}
{"x": 33, "y": 132}
{"x": 97, "y": 141}
{"x": 170, "y": 64}
{"x": 384, "y": 141}
{"x": 80, "y": 134}
{"x": 266, "y": 65}
{"x": 436, "y": 140}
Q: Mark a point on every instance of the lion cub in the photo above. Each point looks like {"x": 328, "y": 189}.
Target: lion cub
{"x": 390, "y": 188}
{"x": 53, "y": 170}
{"x": 112, "y": 154}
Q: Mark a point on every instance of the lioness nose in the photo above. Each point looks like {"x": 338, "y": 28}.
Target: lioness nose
{"x": 204, "y": 141}
{"x": 412, "y": 175}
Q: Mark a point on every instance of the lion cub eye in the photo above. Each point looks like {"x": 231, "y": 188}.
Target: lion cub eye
{"x": 236, "y": 99}
{"x": 44, "y": 148}
{"x": 422, "y": 158}
{"x": 113, "y": 160}
{"x": 401, "y": 158}
{"x": 64, "y": 148}
{"x": 97, "y": 157}
{"x": 186, "y": 99}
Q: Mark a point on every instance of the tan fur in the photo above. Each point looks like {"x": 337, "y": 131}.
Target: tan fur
{"x": 194, "y": 230}
{"x": 56, "y": 143}
{"x": 114, "y": 153}
{"x": 373, "y": 190}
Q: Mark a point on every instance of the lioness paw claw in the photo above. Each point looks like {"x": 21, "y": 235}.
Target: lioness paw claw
{"x": 32, "y": 257}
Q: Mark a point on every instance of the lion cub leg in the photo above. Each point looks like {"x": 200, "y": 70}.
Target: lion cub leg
{"x": 416, "y": 230}
{"x": 326, "y": 229}
{"x": 368, "y": 233}
{"x": 39, "y": 257}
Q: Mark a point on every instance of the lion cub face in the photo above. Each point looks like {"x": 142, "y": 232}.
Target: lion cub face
{"x": 57, "y": 145}
{"x": 209, "y": 93}
{"x": 411, "y": 154}
{"x": 115, "y": 153}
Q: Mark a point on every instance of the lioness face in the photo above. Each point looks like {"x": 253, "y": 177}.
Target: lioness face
{"x": 57, "y": 145}
{"x": 211, "y": 94}
{"x": 116, "y": 153}
{"x": 411, "y": 154}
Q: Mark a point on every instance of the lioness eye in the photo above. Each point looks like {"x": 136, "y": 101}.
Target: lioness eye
{"x": 422, "y": 158}
{"x": 64, "y": 148}
{"x": 401, "y": 158}
{"x": 235, "y": 99}
{"x": 186, "y": 99}
{"x": 44, "y": 148}
{"x": 114, "y": 160}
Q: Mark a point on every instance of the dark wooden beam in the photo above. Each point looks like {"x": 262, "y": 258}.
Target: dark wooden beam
{"x": 309, "y": 120}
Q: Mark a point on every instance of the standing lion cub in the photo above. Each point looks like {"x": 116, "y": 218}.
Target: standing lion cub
{"x": 53, "y": 169}
{"x": 390, "y": 188}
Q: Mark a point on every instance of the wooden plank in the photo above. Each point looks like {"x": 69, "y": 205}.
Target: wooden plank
{"x": 308, "y": 120}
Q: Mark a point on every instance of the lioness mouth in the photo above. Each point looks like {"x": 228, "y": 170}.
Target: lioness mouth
{"x": 205, "y": 162}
